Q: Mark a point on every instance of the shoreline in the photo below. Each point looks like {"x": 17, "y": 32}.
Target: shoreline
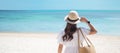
{"x": 45, "y": 34}
{"x": 42, "y": 35}
{"x": 43, "y": 42}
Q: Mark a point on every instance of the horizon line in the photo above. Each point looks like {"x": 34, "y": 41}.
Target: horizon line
{"x": 48, "y": 9}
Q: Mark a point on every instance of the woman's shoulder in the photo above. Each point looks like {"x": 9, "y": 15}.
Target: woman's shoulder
{"x": 83, "y": 28}
{"x": 61, "y": 33}
{"x": 86, "y": 31}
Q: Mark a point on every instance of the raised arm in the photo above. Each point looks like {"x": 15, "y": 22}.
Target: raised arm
{"x": 92, "y": 29}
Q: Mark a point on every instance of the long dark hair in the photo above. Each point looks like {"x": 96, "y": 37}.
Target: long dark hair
{"x": 69, "y": 30}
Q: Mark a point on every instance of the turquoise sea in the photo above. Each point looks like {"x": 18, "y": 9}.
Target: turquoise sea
{"x": 105, "y": 21}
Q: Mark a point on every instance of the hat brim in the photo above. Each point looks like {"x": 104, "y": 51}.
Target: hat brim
{"x": 71, "y": 21}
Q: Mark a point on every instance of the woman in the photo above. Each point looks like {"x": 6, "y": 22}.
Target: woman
{"x": 68, "y": 37}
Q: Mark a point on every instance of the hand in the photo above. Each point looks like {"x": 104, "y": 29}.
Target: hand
{"x": 83, "y": 19}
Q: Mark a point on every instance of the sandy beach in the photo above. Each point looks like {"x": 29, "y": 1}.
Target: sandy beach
{"x": 46, "y": 43}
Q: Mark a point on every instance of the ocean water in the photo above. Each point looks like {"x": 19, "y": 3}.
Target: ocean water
{"x": 37, "y": 21}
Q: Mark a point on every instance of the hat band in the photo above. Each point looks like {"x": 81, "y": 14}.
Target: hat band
{"x": 72, "y": 22}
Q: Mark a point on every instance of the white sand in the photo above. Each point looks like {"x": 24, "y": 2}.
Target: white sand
{"x": 46, "y": 43}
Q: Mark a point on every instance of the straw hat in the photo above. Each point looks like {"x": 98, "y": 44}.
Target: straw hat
{"x": 72, "y": 18}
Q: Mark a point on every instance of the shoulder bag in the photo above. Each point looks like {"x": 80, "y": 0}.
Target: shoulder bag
{"x": 85, "y": 49}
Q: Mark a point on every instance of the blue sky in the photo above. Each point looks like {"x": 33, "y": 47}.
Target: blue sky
{"x": 59, "y": 4}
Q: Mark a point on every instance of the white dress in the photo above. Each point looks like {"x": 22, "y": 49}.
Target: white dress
{"x": 71, "y": 46}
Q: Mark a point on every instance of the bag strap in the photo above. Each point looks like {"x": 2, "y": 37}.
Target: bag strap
{"x": 78, "y": 41}
{"x": 86, "y": 38}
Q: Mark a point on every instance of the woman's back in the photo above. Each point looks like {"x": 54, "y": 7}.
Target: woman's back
{"x": 73, "y": 42}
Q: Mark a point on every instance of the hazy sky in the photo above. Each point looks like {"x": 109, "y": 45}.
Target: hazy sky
{"x": 59, "y": 4}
